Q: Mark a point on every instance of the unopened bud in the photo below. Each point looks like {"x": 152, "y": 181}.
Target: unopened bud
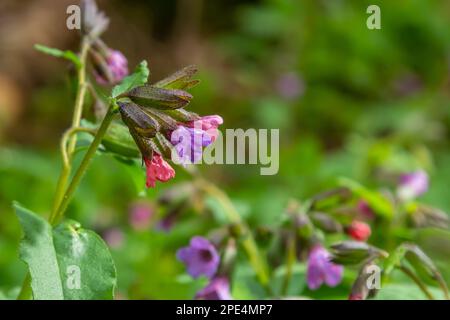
{"x": 154, "y": 97}
{"x": 355, "y": 252}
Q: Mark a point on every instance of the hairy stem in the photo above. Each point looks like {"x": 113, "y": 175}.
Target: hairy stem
{"x": 83, "y": 166}
{"x": 76, "y": 119}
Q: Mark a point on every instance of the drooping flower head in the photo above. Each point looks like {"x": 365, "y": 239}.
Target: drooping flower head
{"x": 200, "y": 257}
{"x": 412, "y": 185}
{"x": 359, "y": 230}
{"x": 157, "y": 169}
{"x": 322, "y": 270}
{"x": 113, "y": 69}
{"x": 217, "y": 289}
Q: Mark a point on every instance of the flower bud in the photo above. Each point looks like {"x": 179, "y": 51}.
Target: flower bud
{"x": 133, "y": 116}
{"x": 158, "y": 98}
{"x": 358, "y": 230}
{"x": 180, "y": 79}
{"x": 326, "y": 222}
{"x": 93, "y": 21}
{"x": 355, "y": 252}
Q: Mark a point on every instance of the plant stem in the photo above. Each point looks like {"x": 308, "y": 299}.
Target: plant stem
{"x": 25, "y": 292}
{"x": 248, "y": 243}
{"x": 83, "y": 166}
{"x": 419, "y": 282}
{"x": 76, "y": 119}
{"x": 290, "y": 260}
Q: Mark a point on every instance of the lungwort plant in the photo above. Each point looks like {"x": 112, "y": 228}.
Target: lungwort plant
{"x": 351, "y": 237}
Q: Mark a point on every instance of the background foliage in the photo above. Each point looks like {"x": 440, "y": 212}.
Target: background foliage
{"x": 360, "y": 100}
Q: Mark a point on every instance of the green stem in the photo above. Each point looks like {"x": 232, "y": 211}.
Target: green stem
{"x": 248, "y": 242}
{"x": 84, "y": 165}
{"x": 416, "y": 279}
{"x": 76, "y": 119}
{"x": 290, "y": 260}
{"x": 25, "y": 292}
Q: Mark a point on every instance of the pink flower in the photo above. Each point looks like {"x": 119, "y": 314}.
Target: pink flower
{"x": 117, "y": 65}
{"x": 412, "y": 185}
{"x": 217, "y": 289}
{"x": 322, "y": 270}
{"x": 359, "y": 231}
{"x": 157, "y": 169}
{"x": 210, "y": 124}
{"x": 140, "y": 215}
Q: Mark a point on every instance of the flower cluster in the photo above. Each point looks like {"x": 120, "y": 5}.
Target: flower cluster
{"x": 162, "y": 128}
{"x": 202, "y": 259}
{"x": 110, "y": 66}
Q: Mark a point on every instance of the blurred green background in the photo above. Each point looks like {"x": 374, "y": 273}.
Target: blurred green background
{"x": 348, "y": 101}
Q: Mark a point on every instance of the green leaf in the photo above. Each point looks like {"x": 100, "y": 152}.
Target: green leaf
{"x": 66, "y": 54}
{"x": 138, "y": 78}
{"x": 67, "y": 262}
{"x": 375, "y": 200}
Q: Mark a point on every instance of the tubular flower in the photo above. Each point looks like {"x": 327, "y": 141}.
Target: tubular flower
{"x": 113, "y": 69}
{"x": 322, "y": 270}
{"x": 157, "y": 169}
{"x": 358, "y": 230}
{"x": 217, "y": 289}
{"x": 189, "y": 138}
{"x": 412, "y": 185}
{"x": 200, "y": 257}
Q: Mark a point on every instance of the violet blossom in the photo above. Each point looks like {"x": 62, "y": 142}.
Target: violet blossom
{"x": 217, "y": 289}
{"x": 200, "y": 257}
{"x": 322, "y": 270}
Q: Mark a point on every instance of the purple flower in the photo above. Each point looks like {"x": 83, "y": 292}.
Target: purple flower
{"x": 117, "y": 65}
{"x": 188, "y": 143}
{"x": 217, "y": 289}
{"x": 412, "y": 185}
{"x": 289, "y": 86}
{"x": 140, "y": 215}
{"x": 321, "y": 269}
{"x": 200, "y": 257}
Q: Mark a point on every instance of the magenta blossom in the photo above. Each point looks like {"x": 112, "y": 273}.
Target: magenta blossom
{"x": 117, "y": 65}
{"x": 412, "y": 185}
{"x": 140, "y": 215}
{"x": 217, "y": 289}
{"x": 322, "y": 270}
{"x": 200, "y": 257}
{"x": 157, "y": 169}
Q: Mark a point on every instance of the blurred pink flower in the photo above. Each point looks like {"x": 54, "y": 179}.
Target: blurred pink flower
{"x": 322, "y": 270}
{"x": 412, "y": 185}
{"x": 140, "y": 215}
{"x": 217, "y": 289}
{"x": 290, "y": 86}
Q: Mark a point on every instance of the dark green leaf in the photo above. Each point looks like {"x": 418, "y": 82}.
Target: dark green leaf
{"x": 67, "y": 262}
{"x": 138, "y": 78}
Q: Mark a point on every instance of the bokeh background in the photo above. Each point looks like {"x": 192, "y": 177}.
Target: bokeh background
{"x": 348, "y": 102}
